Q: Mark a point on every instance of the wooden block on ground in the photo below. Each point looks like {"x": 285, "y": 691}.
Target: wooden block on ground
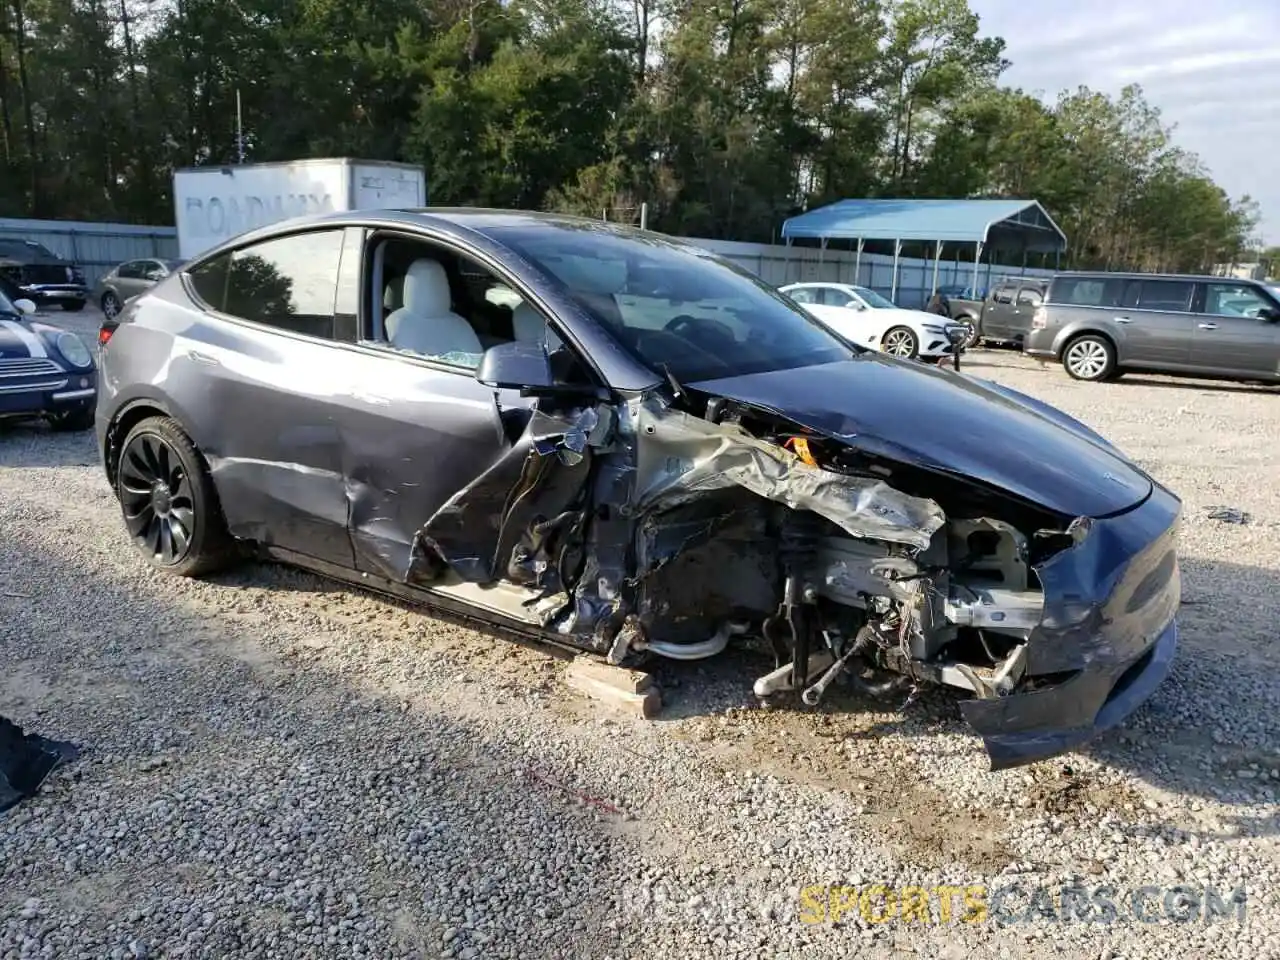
{"x": 645, "y": 705}
{"x": 620, "y": 678}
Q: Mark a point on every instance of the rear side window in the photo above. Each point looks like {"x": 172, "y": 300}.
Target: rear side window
{"x": 1165, "y": 295}
{"x": 289, "y": 283}
{"x": 804, "y": 295}
{"x": 1087, "y": 291}
{"x": 1004, "y": 293}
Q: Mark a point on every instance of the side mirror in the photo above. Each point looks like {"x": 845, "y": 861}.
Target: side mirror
{"x": 518, "y": 365}
{"x": 1269, "y": 315}
{"x": 25, "y": 306}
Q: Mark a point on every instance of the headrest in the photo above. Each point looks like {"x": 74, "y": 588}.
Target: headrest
{"x": 393, "y": 296}
{"x": 426, "y": 289}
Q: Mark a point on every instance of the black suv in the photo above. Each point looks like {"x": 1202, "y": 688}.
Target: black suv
{"x": 42, "y": 276}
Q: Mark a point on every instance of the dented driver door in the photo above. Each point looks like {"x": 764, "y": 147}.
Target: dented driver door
{"x": 415, "y": 435}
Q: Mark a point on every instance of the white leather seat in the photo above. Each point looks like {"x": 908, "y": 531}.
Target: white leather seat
{"x": 529, "y": 327}
{"x": 425, "y": 324}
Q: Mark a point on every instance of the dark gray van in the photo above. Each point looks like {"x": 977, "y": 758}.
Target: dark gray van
{"x": 1100, "y": 325}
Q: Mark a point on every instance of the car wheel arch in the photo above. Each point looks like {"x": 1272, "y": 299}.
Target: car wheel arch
{"x": 128, "y": 416}
{"x": 1092, "y": 333}
{"x": 1072, "y": 334}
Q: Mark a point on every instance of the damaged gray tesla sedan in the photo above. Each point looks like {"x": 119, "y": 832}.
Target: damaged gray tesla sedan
{"x": 620, "y": 443}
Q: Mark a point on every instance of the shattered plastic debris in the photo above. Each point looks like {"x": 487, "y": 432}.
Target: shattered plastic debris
{"x": 1229, "y": 515}
{"x": 26, "y": 760}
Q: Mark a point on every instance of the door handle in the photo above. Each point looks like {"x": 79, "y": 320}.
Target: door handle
{"x": 202, "y": 358}
{"x": 1208, "y": 326}
{"x": 1122, "y": 320}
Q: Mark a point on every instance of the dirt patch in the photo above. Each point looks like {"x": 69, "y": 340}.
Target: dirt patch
{"x": 912, "y": 818}
{"x": 1067, "y": 793}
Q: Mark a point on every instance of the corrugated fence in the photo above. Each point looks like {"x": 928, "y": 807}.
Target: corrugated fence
{"x": 97, "y": 247}
{"x": 94, "y": 247}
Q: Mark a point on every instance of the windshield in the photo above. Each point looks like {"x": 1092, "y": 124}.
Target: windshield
{"x": 24, "y": 249}
{"x": 6, "y": 305}
{"x": 674, "y": 308}
{"x": 874, "y": 300}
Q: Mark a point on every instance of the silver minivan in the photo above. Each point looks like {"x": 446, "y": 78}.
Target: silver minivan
{"x": 1101, "y": 325}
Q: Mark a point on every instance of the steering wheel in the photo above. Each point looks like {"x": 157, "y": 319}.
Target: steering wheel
{"x": 678, "y": 324}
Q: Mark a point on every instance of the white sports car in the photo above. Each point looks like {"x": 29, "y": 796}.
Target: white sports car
{"x": 865, "y": 317}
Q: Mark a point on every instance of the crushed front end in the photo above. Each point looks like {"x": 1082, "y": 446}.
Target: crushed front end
{"x": 890, "y": 577}
{"x": 672, "y": 525}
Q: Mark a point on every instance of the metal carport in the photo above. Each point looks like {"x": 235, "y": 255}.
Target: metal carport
{"x": 986, "y": 224}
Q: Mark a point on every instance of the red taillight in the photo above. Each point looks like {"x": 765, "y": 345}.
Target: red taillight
{"x": 104, "y": 334}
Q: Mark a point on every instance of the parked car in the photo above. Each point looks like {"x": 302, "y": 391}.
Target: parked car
{"x": 1101, "y": 325}
{"x": 128, "y": 279}
{"x": 42, "y": 276}
{"x": 867, "y": 318}
{"x": 962, "y": 304}
{"x": 651, "y": 454}
{"x": 1002, "y": 315}
{"x": 45, "y": 372}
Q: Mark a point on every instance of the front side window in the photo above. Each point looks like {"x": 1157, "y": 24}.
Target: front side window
{"x": 1029, "y": 296}
{"x": 130, "y": 271}
{"x": 433, "y": 302}
{"x": 675, "y": 308}
{"x": 288, "y": 283}
{"x": 1235, "y": 300}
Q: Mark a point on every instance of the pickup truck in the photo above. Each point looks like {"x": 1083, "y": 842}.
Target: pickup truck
{"x": 42, "y": 276}
{"x": 1003, "y": 315}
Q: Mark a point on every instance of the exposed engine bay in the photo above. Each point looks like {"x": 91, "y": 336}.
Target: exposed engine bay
{"x": 859, "y": 579}
{"x": 650, "y": 529}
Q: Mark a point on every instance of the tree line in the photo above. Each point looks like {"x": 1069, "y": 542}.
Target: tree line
{"x": 722, "y": 116}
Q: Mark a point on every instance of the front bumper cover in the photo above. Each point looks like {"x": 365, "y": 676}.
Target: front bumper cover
{"x": 1106, "y": 641}
{"x": 49, "y": 293}
{"x": 50, "y": 396}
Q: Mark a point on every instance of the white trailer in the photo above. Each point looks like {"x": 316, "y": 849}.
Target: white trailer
{"x": 213, "y": 204}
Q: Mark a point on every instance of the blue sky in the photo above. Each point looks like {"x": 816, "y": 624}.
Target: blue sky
{"x": 1213, "y": 71}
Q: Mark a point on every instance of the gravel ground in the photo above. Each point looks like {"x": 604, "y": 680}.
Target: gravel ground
{"x": 279, "y": 767}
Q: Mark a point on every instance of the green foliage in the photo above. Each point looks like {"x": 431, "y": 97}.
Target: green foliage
{"x": 723, "y": 116}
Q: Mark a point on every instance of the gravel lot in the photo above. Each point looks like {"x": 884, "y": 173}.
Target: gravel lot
{"x": 279, "y": 767}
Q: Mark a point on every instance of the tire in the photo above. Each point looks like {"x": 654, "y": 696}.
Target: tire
{"x": 110, "y": 305}
{"x": 973, "y": 336}
{"x": 73, "y": 306}
{"x": 1089, "y": 357}
{"x": 74, "y": 422}
{"x": 166, "y": 495}
{"x": 901, "y": 342}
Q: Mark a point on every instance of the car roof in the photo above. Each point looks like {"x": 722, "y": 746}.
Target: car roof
{"x": 460, "y": 222}
{"x": 1138, "y": 275}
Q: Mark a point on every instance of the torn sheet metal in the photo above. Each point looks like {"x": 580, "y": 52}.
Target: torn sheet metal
{"x": 682, "y": 457}
{"x": 26, "y": 760}
{"x": 514, "y": 520}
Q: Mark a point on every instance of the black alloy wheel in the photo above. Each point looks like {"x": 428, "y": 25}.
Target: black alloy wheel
{"x": 169, "y": 504}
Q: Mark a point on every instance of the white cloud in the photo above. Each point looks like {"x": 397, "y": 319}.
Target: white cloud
{"x": 1213, "y": 74}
